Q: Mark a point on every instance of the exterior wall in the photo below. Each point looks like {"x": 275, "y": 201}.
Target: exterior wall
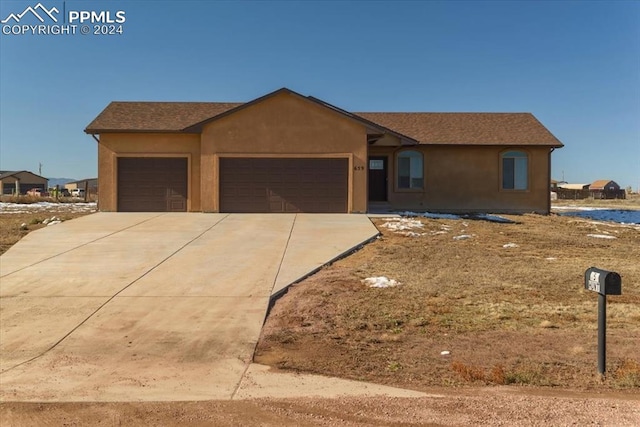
{"x": 114, "y": 145}
{"x": 284, "y": 125}
{"x": 468, "y": 179}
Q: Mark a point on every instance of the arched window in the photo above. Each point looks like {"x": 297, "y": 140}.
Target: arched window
{"x": 410, "y": 167}
{"x": 515, "y": 170}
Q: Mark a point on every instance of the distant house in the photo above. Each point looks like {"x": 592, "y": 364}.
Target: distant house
{"x": 572, "y": 191}
{"x": 88, "y": 184}
{"x": 20, "y": 182}
{"x": 606, "y": 189}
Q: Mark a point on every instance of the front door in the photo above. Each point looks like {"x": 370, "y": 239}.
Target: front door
{"x": 377, "y": 179}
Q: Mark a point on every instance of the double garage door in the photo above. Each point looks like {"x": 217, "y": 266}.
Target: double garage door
{"x": 246, "y": 184}
{"x": 284, "y": 185}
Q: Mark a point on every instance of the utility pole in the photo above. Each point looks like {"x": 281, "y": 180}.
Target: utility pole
{"x": 40, "y": 169}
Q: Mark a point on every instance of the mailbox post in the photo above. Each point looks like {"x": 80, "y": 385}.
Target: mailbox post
{"x": 604, "y": 283}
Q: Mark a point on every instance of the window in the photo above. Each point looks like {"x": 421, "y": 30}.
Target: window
{"x": 410, "y": 170}
{"x": 515, "y": 170}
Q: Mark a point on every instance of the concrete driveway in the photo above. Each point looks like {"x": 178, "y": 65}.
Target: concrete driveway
{"x": 147, "y": 306}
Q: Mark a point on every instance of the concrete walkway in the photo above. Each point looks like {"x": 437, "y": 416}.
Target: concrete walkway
{"x": 147, "y": 306}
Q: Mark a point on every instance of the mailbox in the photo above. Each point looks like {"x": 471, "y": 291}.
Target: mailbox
{"x": 602, "y": 281}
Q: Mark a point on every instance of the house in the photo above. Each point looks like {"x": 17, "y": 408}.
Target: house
{"x": 606, "y": 189}
{"x": 88, "y": 184}
{"x": 572, "y": 191}
{"x": 286, "y": 152}
{"x": 575, "y": 187}
{"x": 20, "y": 182}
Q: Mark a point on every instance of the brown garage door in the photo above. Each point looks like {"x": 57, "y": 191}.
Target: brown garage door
{"x": 152, "y": 184}
{"x": 283, "y": 185}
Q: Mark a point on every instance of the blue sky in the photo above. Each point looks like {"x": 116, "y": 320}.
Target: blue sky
{"x": 574, "y": 65}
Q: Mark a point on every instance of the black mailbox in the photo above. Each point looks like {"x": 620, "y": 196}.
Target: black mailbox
{"x": 602, "y": 281}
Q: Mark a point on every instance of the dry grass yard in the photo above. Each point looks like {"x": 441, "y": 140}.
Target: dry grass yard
{"x": 508, "y": 315}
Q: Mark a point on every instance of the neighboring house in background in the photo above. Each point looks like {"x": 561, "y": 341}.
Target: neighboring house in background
{"x": 575, "y": 187}
{"x": 285, "y": 152}
{"x": 90, "y": 184}
{"x": 572, "y": 191}
{"x": 21, "y": 182}
{"x": 606, "y": 189}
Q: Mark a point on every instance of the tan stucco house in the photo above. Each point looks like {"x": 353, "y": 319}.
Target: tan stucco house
{"x": 285, "y": 152}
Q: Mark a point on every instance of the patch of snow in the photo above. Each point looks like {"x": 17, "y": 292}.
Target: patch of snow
{"x": 380, "y": 282}
{"x": 402, "y": 224}
{"x": 510, "y": 245}
{"x": 577, "y": 208}
{"x": 429, "y": 215}
{"x": 411, "y": 233}
{"x": 622, "y": 216}
{"x": 15, "y": 208}
{"x": 445, "y": 353}
{"x": 54, "y": 223}
{"x": 551, "y": 258}
{"x": 462, "y": 237}
{"x": 601, "y": 236}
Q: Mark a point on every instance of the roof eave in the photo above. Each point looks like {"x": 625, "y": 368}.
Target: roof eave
{"x": 103, "y": 131}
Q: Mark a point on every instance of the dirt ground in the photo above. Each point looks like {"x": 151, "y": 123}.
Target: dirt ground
{"x": 518, "y": 325}
{"x": 507, "y": 302}
{"x": 466, "y": 407}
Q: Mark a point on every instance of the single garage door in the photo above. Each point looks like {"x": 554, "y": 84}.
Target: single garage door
{"x": 152, "y": 184}
{"x": 283, "y": 185}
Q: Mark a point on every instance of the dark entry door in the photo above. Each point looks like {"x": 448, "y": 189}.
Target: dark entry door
{"x": 377, "y": 179}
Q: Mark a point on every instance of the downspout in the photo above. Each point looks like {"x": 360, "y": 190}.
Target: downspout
{"x": 87, "y": 182}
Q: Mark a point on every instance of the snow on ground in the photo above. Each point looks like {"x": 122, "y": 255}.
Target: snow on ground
{"x": 431, "y": 215}
{"x": 622, "y": 216}
{"x": 510, "y": 245}
{"x": 463, "y": 237}
{"x": 601, "y": 236}
{"x": 406, "y": 227}
{"x": 380, "y": 282}
{"x": 14, "y": 208}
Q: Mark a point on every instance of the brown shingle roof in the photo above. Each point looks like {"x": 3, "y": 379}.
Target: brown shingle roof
{"x": 468, "y": 128}
{"x": 155, "y": 116}
{"x": 600, "y": 184}
{"x": 426, "y": 128}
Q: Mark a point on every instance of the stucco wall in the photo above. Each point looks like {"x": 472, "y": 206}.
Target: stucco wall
{"x": 284, "y": 125}
{"x": 114, "y": 145}
{"x": 467, "y": 179}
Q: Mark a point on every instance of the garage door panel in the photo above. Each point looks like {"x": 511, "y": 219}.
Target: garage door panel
{"x": 283, "y": 185}
{"x": 148, "y": 184}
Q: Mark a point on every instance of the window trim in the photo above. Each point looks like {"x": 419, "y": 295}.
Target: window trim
{"x": 501, "y": 158}
{"x": 397, "y": 172}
